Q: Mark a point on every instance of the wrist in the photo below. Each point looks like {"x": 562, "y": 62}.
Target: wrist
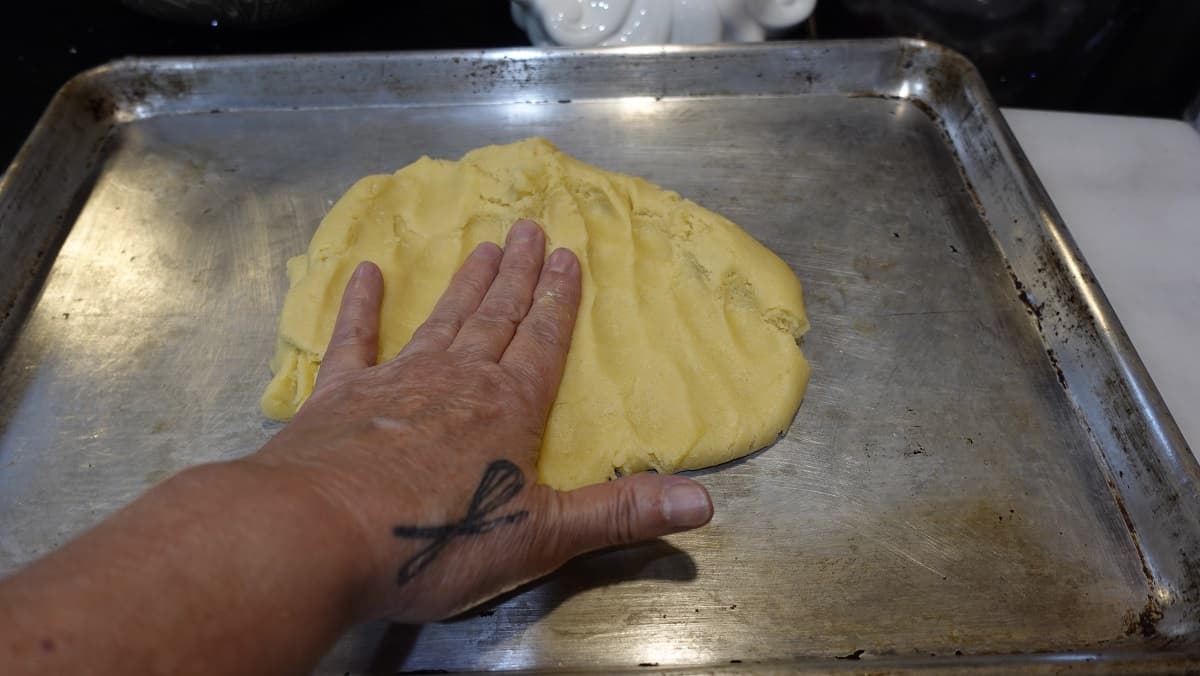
{"x": 293, "y": 525}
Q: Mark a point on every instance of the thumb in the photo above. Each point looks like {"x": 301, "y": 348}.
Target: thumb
{"x": 631, "y": 509}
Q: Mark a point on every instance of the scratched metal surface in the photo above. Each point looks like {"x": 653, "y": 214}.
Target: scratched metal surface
{"x": 981, "y": 474}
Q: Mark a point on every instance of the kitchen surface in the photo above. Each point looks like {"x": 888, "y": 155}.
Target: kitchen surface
{"x": 991, "y": 466}
{"x": 1129, "y": 190}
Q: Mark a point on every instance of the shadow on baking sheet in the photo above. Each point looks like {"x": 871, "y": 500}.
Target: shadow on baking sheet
{"x": 654, "y": 560}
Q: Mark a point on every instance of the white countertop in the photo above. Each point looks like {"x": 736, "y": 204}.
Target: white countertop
{"x": 1128, "y": 189}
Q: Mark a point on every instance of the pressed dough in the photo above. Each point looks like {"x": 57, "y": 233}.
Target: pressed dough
{"x": 685, "y": 353}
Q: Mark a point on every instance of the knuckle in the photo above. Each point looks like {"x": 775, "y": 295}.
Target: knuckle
{"x": 557, "y": 529}
{"x": 437, "y": 327}
{"x": 471, "y": 286}
{"x": 504, "y": 308}
{"x": 489, "y": 410}
{"x": 626, "y": 517}
{"x": 546, "y": 331}
{"x": 480, "y": 279}
{"x": 527, "y": 265}
{"x": 318, "y": 399}
{"x": 561, "y": 286}
{"x": 349, "y": 334}
{"x": 353, "y": 391}
{"x": 481, "y": 376}
{"x": 491, "y": 379}
{"x": 336, "y": 390}
{"x": 486, "y": 393}
{"x": 329, "y": 382}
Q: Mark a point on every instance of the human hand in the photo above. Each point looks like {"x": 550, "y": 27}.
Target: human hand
{"x": 429, "y": 459}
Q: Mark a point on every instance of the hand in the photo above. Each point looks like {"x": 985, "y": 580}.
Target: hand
{"x": 429, "y": 459}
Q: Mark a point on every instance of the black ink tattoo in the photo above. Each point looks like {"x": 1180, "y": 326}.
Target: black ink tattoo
{"x": 501, "y": 482}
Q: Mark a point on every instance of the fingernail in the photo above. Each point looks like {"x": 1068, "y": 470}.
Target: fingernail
{"x": 360, "y": 272}
{"x": 523, "y": 231}
{"x": 561, "y": 260}
{"x": 685, "y": 503}
{"x": 489, "y": 250}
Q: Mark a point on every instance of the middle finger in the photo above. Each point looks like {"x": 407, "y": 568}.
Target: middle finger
{"x": 490, "y": 329}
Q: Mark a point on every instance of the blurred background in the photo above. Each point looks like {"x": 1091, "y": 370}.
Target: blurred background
{"x": 1129, "y": 57}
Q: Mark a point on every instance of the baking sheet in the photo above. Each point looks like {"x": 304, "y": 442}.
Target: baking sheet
{"x": 981, "y": 475}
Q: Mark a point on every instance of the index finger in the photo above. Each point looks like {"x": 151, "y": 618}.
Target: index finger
{"x": 355, "y": 338}
{"x": 538, "y": 351}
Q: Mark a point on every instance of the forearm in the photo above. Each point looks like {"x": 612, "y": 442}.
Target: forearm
{"x": 225, "y": 568}
{"x": 405, "y": 488}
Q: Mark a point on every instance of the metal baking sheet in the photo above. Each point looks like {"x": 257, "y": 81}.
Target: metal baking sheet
{"x": 981, "y": 476}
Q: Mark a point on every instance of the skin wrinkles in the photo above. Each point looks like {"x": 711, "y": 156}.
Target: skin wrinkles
{"x": 399, "y": 490}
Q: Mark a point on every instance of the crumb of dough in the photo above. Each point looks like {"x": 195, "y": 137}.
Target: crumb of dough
{"x": 686, "y": 351}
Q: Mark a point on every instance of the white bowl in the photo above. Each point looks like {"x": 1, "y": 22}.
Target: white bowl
{"x": 588, "y": 23}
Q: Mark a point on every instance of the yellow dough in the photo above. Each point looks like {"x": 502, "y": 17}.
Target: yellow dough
{"x": 685, "y": 353}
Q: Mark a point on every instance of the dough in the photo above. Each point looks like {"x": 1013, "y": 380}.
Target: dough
{"x": 685, "y": 353}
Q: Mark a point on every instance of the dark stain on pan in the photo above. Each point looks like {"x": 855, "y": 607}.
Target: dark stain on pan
{"x": 1137, "y": 546}
{"x": 1024, "y": 574}
{"x": 1146, "y": 621}
{"x": 1035, "y": 308}
{"x": 1059, "y": 316}
{"x": 1063, "y": 316}
{"x": 1067, "y": 313}
{"x": 1190, "y": 589}
{"x": 100, "y": 107}
{"x": 924, "y": 107}
{"x": 1038, "y": 312}
{"x": 1134, "y": 438}
{"x": 486, "y": 75}
{"x": 944, "y": 81}
{"x": 807, "y": 77}
{"x": 92, "y": 97}
{"x": 856, "y": 655}
{"x": 1025, "y": 559}
{"x": 940, "y": 70}
{"x": 1074, "y": 313}
{"x": 1058, "y": 372}
{"x": 151, "y": 84}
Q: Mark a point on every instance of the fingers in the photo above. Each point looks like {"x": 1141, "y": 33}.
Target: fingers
{"x": 460, "y": 299}
{"x": 489, "y": 330}
{"x": 631, "y": 509}
{"x": 355, "y": 340}
{"x": 539, "y": 349}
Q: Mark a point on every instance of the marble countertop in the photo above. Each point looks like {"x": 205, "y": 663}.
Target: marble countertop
{"x": 1129, "y": 191}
